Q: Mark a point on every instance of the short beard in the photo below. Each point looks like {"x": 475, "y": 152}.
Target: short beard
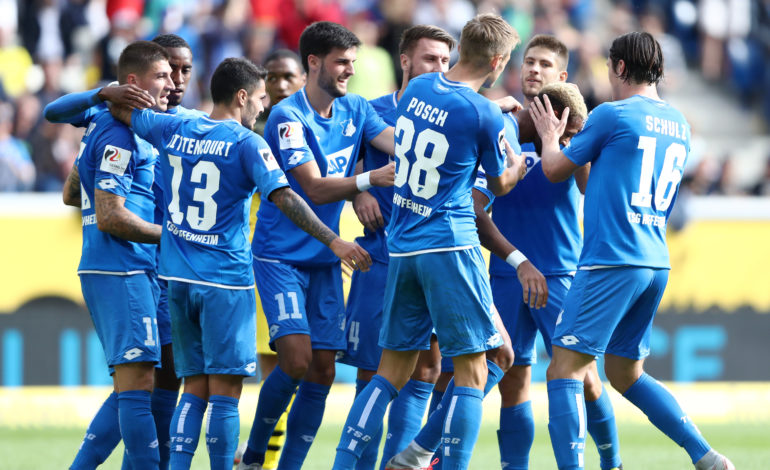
{"x": 328, "y": 84}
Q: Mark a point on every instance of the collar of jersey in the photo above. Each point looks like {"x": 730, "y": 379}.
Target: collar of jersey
{"x": 312, "y": 109}
{"x": 219, "y": 120}
{"x": 449, "y": 82}
{"x": 395, "y": 98}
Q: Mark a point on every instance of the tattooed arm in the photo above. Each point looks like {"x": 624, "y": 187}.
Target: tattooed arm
{"x": 112, "y": 217}
{"x": 296, "y": 209}
{"x": 71, "y": 192}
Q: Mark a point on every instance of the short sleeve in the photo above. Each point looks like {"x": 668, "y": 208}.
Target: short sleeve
{"x": 261, "y": 166}
{"x": 152, "y": 126}
{"x": 587, "y": 144}
{"x": 117, "y": 154}
{"x": 491, "y": 134}
{"x": 481, "y": 186}
{"x": 374, "y": 125}
{"x": 286, "y": 135}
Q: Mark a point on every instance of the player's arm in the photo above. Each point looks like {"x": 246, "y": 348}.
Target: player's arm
{"x": 71, "y": 190}
{"x": 73, "y": 108}
{"x": 532, "y": 280}
{"x": 114, "y": 218}
{"x": 556, "y": 166}
{"x": 296, "y": 209}
{"x": 508, "y": 104}
{"x": 385, "y": 142}
{"x": 581, "y": 177}
{"x": 322, "y": 190}
{"x": 365, "y": 205}
{"x": 515, "y": 171}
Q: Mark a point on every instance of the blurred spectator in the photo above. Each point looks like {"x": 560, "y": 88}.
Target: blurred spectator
{"x": 124, "y": 29}
{"x": 374, "y": 69}
{"x": 17, "y": 173}
{"x": 762, "y": 188}
{"x": 654, "y": 22}
{"x": 15, "y": 60}
{"x": 725, "y": 184}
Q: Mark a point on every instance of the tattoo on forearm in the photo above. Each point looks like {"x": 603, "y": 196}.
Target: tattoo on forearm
{"x": 296, "y": 209}
{"x": 116, "y": 220}
{"x": 72, "y": 188}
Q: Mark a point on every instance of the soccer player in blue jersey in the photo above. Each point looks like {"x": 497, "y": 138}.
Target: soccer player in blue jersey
{"x": 210, "y": 169}
{"x": 111, "y": 182}
{"x": 541, "y": 219}
{"x": 316, "y": 134}
{"x": 444, "y": 131}
{"x": 637, "y": 146}
{"x": 78, "y": 109}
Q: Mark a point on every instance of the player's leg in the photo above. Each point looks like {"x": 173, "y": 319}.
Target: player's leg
{"x": 624, "y": 366}
{"x": 517, "y": 425}
{"x": 282, "y": 288}
{"x": 223, "y": 423}
{"x": 101, "y": 438}
{"x": 406, "y": 327}
{"x": 166, "y": 391}
{"x": 368, "y": 458}
{"x": 600, "y": 420}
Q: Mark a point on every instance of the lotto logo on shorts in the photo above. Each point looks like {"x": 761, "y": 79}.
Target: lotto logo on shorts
{"x": 132, "y": 354}
{"x": 251, "y": 367}
{"x": 569, "y": 340}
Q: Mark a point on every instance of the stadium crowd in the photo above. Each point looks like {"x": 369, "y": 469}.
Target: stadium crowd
{"x": 52, "y": 47}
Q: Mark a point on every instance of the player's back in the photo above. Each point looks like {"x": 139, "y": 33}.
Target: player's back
{"x": 210, "y": 170}
{"x": 112, "y": 159}
{"x": 444, "y": 130}
{"x": 640, "y": 147}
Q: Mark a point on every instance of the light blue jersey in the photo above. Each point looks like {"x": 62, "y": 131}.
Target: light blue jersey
{"x": 539, "y": 218}
{"x": 210, "y": 171}
{"x": 298, "y": 135}
{"x": 111, "y": 159}
{"x": 444, "y": 131}
{"x": 630, "y": 193}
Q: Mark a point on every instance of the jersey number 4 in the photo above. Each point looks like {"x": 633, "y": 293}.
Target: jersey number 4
{"x": 423, "y": 177}
{"x": 669, "y": 178}
{"x": 202, "y": 195}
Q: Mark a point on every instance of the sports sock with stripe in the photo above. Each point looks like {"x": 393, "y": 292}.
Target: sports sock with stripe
{"x": 567, "y": 422}
{"x": 186, "y": 430}
{"x": 305, "y": 418}
{"x": 222, "y": 429}
{"x": 102, "y": 435}
{"x": 405, "y": 417}
{"x": 600, "y": 419}
{"x": 461, "y": 427}
{"x": 163, "y": 407}
{"x": 516, "y": 435}
{"x": 368, "y": 458}
{"x": 138, "y": 428}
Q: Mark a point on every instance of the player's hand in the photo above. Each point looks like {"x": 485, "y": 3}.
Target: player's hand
{"x": 516, "y": 161}
{"x": 127, "y": 95}
{"x": 352, "y": 255}
{"x": 368, "y": 211}
{"x": 533, "y": 284}
{"x": 508, "y": 104}
{"x": 383, "y": 176}
{"x": 547, "y": 124}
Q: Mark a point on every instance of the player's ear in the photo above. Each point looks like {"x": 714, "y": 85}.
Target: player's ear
{"x": 404, "y": 62}
{"x": 131, "y": 79}
{"x": 313, "y": 61}
{"x": 497, "y": 59}
{"x": 241, "y": 96}
{"x": 563, "y": 76}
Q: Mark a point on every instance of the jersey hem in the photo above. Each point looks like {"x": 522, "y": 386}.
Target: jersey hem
{"x": 111, "y": 273}
{"x": 205, "y": 283}
{"x": 432, "y": 250}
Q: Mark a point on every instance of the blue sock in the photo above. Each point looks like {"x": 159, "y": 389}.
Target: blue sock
{"x": 435, "y": 399}
{"x": 368, "y": 458}
{"x": 364, "y": 420}
{"x": 274, "y": 397}
{"x": 461, "y": 428}
{"x": 222, "y": 430}
{"x": 405, "y": 417}
{"x": 566, "y": 422}
{"x": 516, "y": 435}
{"x": 186, "y": 430}
{"x": 102, "y": 435}
{"x": 665, "y": 413}
{"x": 601, "y": 426}
{"x": 138, "y": 428}
{"x": 305, "y": 418}
{"x": 163, "y": 406}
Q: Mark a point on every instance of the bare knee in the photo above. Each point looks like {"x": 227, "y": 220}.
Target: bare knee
{"x": 226, "y": 385}
{"x": 514, "y": 387}
{"x": 502, "y": 356}
{"x": 322, "y": 367}
{"x": 592, "y": 384}
{"x": 622, "y": 372}
{"x": 294, "y": 355}
{"x": 428, "y": 366}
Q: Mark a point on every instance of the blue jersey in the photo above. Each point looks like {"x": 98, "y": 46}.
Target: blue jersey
{"x": 376, "y": 243}
{"x": 112, "y": 159}
{"x": 77, "y": 109}
{"x": 210, "y": 171}
{"x": 444, "y": 130}
{"x": 298, "y": 135}
{"x": 637, "y": 148}
{"x": 539, "y": 218}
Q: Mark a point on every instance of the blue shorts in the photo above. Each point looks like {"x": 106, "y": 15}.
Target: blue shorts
{"x": 303, "y": 300}
{"x": 610, "y": 311}
{"x": 214, "y": 329}
{"x": 123, "y": 311}
{"x": 522, "y": 322}
{"x": 363, "y": 317}
{"x": 164, "y": 318}
{"x": 446, "y": 289}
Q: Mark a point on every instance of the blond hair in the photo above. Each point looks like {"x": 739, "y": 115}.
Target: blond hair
{"x": 486, "y": 36}
{"x": 566, "y": 95}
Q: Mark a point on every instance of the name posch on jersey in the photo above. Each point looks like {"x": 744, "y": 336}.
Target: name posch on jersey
{"x": 425, "y": 111}
{"x": 188, "y": 145}
{"x": 419, "y": 209}
{"x": 206, "y": 239}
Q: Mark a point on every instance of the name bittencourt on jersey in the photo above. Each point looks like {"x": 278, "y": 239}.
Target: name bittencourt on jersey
{"x": 192, "y": 146}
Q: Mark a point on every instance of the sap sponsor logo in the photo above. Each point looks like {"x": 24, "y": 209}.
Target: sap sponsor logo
{"x": 115, "y": 160}
{"x": 270, "y": 162}
{"x": 569, "y": 340}
{"x": 296, "y": 157}
{"x": 531, "y": 159}
{"x": 337, "y": 162}
{"x": 290, "y": 135}
{"x": 108, "y": 184}
{"x": 132, "y": 354}
{"x": 251, "y": 367}
{"x": 348, "y": 129}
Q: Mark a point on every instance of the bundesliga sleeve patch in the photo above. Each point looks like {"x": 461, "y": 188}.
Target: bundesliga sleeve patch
{"x": 270, "y": 162}
{"x": 290, "y": 135}
{"x": 501, "y": 141}
{"x": 115, "y": 160}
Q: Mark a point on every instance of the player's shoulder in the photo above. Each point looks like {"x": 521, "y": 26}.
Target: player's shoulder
{"x": 385, "y": 102}
{"x": 291, "y": 108}
{"x": 187, "y": 113}
{"x": 110, "y": 128}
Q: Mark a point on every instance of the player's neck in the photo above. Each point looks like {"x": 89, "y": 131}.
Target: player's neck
{"x": 223, "y": 112}
{"x": 470, "y": 75}
{"x": 627, "y": 91}
{"x": 319, "y": 100}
